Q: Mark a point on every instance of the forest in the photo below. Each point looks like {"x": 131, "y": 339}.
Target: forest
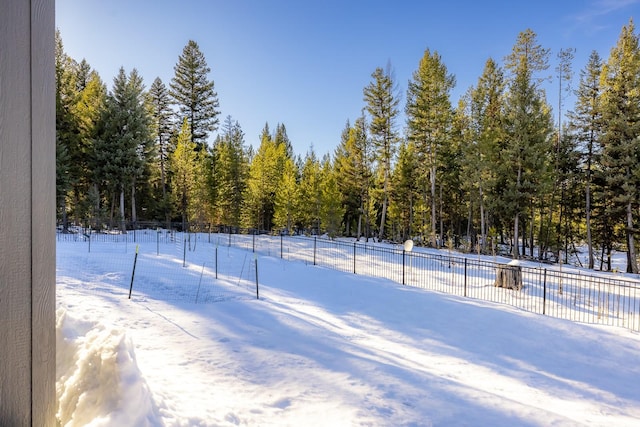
{"x": 499, "y": 168}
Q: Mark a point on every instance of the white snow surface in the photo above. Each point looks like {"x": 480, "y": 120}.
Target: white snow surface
{"x": 324, "y": 348}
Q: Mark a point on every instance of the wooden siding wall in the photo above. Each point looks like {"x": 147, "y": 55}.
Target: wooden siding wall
{"x": 27, "y": 213}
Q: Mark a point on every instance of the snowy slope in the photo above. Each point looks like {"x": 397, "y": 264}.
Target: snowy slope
{"x": 324, "y": 348}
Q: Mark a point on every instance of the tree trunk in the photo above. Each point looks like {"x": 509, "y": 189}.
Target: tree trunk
{"x": 588, "y": 209}
{"x": 63, "y": 208}
{"x": 516, "y": 224}
{"x": 432, "y": 177}
{"x": 440, "y": 214}
{"x": 385, "y": 202}
{"x": 469, "y": 218}
{"x": 509, "y": 276}
{"x": 134, "y": 215}
{"x": 515, "y": 250}
{"x": 632, "y": 261}
{"x": 483, "y": 225}
{"x": 123, "y": 226}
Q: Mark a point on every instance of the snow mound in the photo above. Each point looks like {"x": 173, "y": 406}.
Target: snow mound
{"x": 98, "y": 380}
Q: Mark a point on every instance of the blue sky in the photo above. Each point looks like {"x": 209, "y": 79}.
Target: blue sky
{"x": 305, "y": 63}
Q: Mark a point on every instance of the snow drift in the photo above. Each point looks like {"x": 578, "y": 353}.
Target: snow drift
{"x": 98, "y": 380}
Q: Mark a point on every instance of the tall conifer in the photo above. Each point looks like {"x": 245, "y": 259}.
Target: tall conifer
{"x": 620, "y": 105}
{"x": 194, "y": 93}
{"x": 381, "y": 102}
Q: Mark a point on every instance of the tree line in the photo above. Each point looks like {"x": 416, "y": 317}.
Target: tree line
{"x": 495, "y": 168}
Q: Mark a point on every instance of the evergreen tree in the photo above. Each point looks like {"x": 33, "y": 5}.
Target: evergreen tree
{"x": 88, "y": 111}
{"x": 281, "y": 137}
{"x": 382, "y": 105}
{"x": 485, "y": 140}
{"x": 353, "y": 166}
{"x": 287, "y": 203}
{"x": 183, "y": 182}
{"x": 332, "y": 211}
{"x": 620, "y": 103}
{"x": 349, "y": 190}
{"x": 429, "y": 119}
{"x": 160, "y": 112}
{"x": 230, "y": 172}
{"x": 263, "y": 181}
{"x": 63, "y": 181}
{"x": 67, "y": 138}
{"x": 311, "y": 193}
{"x": 123, "y": 140}
{"x": 528, "y": 125}
{"x": 586, "y": 125}
{"x": 405, "y": 191}
{"x": 194, "y": 93}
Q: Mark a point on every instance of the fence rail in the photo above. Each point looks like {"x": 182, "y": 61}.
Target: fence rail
{"x": 565, "y": 295}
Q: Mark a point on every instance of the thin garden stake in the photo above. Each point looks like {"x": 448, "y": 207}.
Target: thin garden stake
{"x": 256, "y": 261}
{"x": 242, "y": 269}
{"x": 200, "y": 282}
{"x": 133, "y": 273}
{"x": 216, "y": 262}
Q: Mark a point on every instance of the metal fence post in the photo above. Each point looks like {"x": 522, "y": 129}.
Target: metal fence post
{"x": 184, "y": 251}
{"x": 281, "y": 251}
{"x": 544, "y": 292}
{"x": 314, "y": 249}
{"x": 354, "y": 257}
{"x": 403, "y": 255}
{"x": 465, "y": 277}
{"x": 254, "y": 240}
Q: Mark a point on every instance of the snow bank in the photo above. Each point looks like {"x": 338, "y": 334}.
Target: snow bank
{"x": 98, "y": 380}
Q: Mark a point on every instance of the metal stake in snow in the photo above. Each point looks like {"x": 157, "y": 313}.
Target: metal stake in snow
{"x": 256, "y": 261}
{"x": 135, "y": 260}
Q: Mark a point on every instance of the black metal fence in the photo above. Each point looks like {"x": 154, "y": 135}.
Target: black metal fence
{"x": 593, "y": 298}
{"x": 599, "y": 299}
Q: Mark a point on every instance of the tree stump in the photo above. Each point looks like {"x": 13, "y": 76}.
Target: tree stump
{"x": 509, "y": 276}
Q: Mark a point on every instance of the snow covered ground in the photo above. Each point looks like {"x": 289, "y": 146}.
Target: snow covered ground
{"x": 319, "y": 348}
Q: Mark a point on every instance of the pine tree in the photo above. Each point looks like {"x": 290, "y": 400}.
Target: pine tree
{"x": 123, "y": 140}
{"x": 88, "y": 111}
{"x": 194, "y": 93}
{"x": 68, "y": 174}
{"x": 485, "y": 141}
{"x": 405, "y": 190}
{"x": 281, "y": 137}
{"x": 528, "y": 124}
{"x": 287, "y": 203}
{"x": 382, "y": 105}
{"x": 63, "y": 181}
{"x": 620, "y": 103}
{"x": 429, "y": 119}
{"x": 344, "y": 168}
{"x": 332, "y": 211}
{"x": 160, "y": 113}
{"x": 230, "y": 172}
{"x": 311, "y": 192}
{"x": 353, "y": 166}
{"x": 183, "y": 182}
{"x": 263, "y": 181}
{"x": 586, "y": 124}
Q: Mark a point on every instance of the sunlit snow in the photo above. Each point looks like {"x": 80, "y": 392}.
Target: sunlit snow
{"x": 319, "y": 348}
